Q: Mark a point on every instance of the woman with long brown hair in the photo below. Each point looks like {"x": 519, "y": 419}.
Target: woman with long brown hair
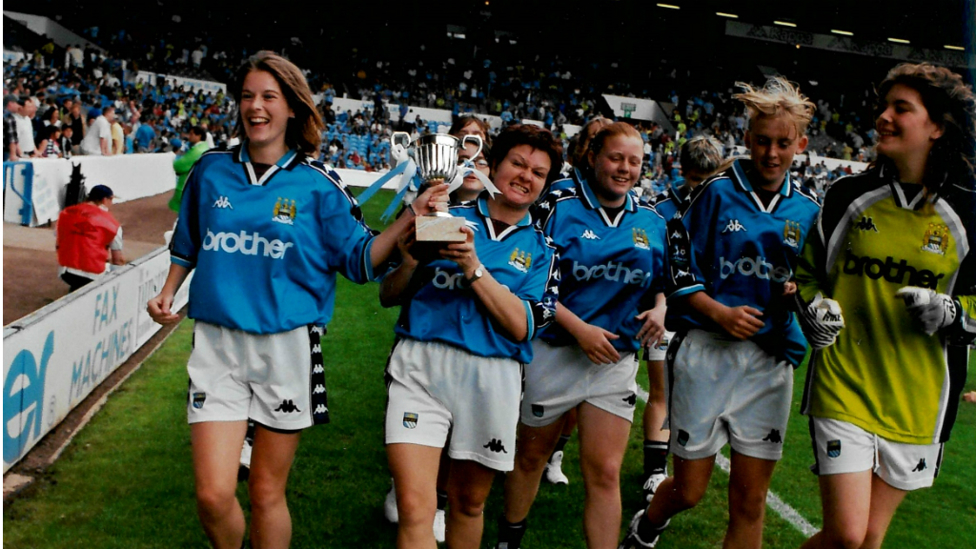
{"x": 265, "y": 230}
{"x": 893, "y": 265}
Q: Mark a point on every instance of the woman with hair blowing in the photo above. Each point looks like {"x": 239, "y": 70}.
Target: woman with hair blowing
{"x": 887, "y": 298}
{"x": 733, "y": 249}
{"x": 266, "y": 230}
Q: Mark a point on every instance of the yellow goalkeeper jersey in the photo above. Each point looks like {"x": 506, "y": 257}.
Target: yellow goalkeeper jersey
{"x": 883, "y": 374}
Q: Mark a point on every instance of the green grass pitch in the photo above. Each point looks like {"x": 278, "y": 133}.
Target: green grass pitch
{"x": 126, "y": 480}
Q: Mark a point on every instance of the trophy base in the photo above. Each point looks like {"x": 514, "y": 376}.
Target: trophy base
{"x": 440, "y": 228}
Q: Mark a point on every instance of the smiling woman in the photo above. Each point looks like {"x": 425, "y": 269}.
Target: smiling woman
{"x": 466, "y": 323}
{"x": 731, "y": 364}
{"x": 884, "y": 388}
{"x": 612, "y": 254}
{"x": 267, "y": 230}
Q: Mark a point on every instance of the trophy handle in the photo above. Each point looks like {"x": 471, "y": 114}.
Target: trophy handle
{"x": 475, "y": 139}
{"x": 399, "y": 151}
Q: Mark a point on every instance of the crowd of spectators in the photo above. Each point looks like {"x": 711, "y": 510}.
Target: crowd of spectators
{"x": 70, "y": 93}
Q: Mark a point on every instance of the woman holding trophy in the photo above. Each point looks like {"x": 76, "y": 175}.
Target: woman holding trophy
{"x": 266, "y": 230}
{"x": 489, "y": 294}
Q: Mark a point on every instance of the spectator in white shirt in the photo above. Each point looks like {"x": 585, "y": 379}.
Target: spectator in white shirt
{"x": 98, "y": 140}
{"x": 25, "y": 126}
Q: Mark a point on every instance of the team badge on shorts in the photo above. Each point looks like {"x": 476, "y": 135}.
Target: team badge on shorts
{"x": 538, "y": 410}
{"x": 833, "y": 448}
{"x": 198, "y": 399}
{"x": 410, "y": 420}
{"x": 683, "y": 437}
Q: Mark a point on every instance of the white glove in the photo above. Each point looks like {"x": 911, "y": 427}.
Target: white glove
{"x": 821, "y": 320}
{"x": 930, "y": 310}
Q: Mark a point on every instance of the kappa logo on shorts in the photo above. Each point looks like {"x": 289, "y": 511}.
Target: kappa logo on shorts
{"x": 833, "y": 448}
{"x": 683, "y": 437}
{"x": 774, "y": 437}
{"x": 631, "y": 400}
{"x": 198, "y": 400}
{"x": 410, "y": 420}
{"x": 287, "y": 407}
{"x": 920, "y": 467}
{"x": 495, "y": 445}
{"x": 538, "y": 410}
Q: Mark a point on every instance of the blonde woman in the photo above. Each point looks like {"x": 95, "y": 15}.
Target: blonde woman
{"x": 732, "y": 250}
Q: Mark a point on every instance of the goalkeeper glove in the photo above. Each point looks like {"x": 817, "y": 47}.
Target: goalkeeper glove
{"x": 821, "y": 320}
{"x": 930, "y": 310}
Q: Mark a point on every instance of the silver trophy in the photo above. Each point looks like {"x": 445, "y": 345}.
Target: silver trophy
{"x": 437, "y": 158}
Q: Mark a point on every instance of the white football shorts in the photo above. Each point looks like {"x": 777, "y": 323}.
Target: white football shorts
{"x": 723, "y": 390}
{"x": 842, "y": 447}
{"x": 561, "y": 378}
{"x": 434, "y": 388}
{"x": 277, "y": 380}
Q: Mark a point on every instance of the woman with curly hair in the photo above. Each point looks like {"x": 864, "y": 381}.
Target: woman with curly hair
{"x": 887, "y": 298}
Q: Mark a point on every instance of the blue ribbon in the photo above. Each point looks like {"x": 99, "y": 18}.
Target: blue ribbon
{"x": 378, "y": 184}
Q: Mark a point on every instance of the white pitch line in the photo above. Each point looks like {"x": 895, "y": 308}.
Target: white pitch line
{"x": 782, "y": 508}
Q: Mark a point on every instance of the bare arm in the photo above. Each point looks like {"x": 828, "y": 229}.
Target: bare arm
{"x": 106, "y": 146}
{"x": 504, "y": 306}
{"x": 159, "y": 307}
{"x": 434, "y": 198}
{"x": 653, "y": 321}
{"x": 397, "y": 281}
{"x": 117, "y": 257}
{"x": 741, "y": 322}
{"x": 594, "y": 340}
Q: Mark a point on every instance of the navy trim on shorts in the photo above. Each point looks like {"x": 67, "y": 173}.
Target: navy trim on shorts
{"x": 670, "y": 357}
{"x": 318, "y": 394}
{"x": 815, "y": 468}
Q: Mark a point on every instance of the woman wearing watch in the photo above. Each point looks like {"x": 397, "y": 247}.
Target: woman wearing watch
{"x": 490, "y": 296}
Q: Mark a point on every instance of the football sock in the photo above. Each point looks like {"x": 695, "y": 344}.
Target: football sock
{"x": 511, "y": 533}
{"x": 563, "y": 439}
{"x": 655, "y": 457}
{"x": 647, "y": 530}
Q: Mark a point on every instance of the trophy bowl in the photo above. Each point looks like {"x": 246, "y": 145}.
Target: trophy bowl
{"x": 437, "y": 159}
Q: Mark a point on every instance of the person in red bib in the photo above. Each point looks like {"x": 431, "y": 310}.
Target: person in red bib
{"x": 88, "y": 239}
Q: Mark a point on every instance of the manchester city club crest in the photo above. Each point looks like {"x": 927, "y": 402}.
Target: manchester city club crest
{"x": 936, "y": 239}
{"x": 520, "y": 260}
{"x": 792, "y": 234}
{"x": 833, "y": 448}
{"x": 410, "y": 420}
{"x": 640, "y": 239}
{"x": 199, "y": 399}
{"x": 284, "y": 211}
